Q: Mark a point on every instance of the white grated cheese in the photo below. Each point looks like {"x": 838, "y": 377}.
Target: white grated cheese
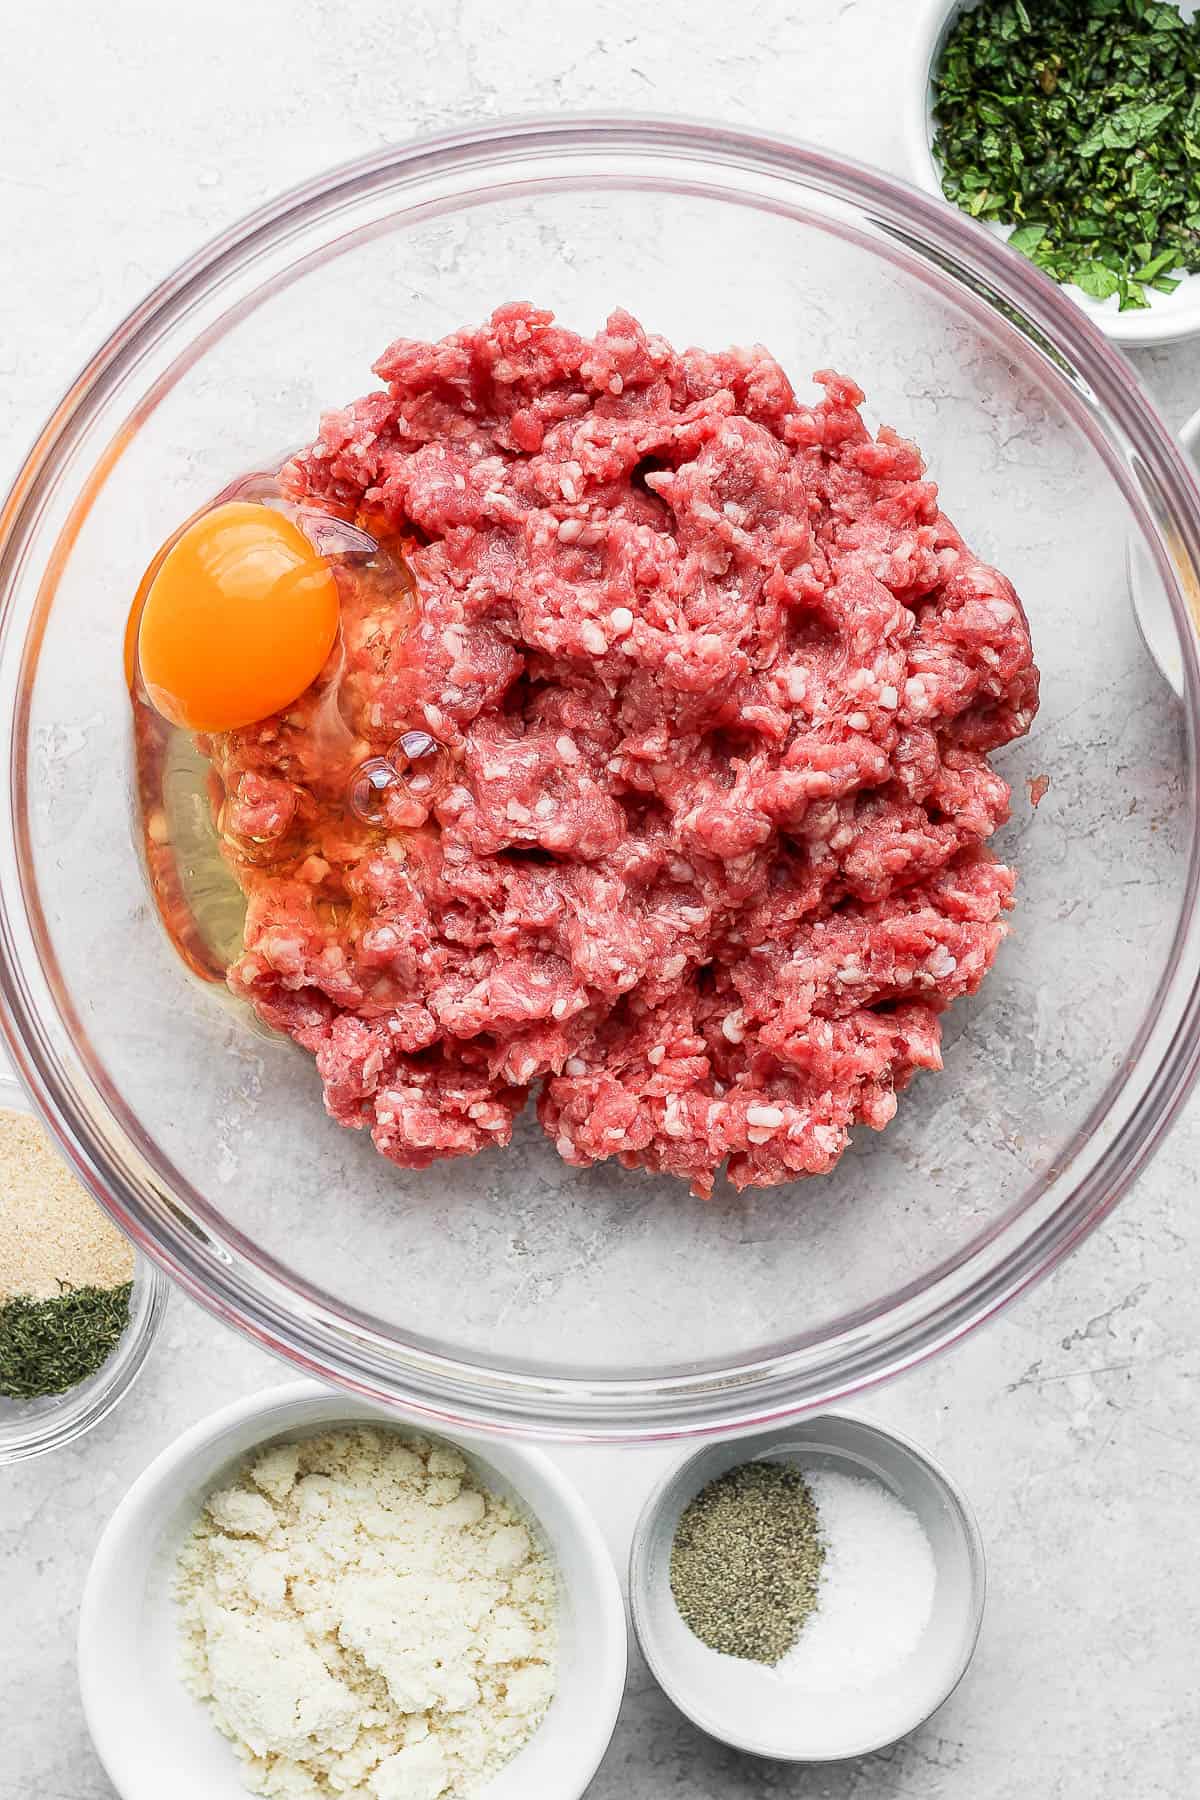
{"x": 362, "y": 1618}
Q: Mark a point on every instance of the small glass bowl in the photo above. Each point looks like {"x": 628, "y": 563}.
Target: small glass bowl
{"x": 31, "y": 1427}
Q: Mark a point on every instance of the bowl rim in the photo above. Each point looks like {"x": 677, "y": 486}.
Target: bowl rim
{"x": 75, "y": 1412}
{"x": 1135, "y": 329}
{"x": 287, "y": 1406}
{"x": 298, "y": 1321}
{"x": 760, "y": 1443}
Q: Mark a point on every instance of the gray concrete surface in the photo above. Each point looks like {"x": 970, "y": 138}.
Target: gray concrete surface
{"x": 132, "y": 132}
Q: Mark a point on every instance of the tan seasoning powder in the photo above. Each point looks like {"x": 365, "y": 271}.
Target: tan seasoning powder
{"x": 52, "y": 1233}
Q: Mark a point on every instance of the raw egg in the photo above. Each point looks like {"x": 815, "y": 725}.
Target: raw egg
{"x": 239, "y": 619}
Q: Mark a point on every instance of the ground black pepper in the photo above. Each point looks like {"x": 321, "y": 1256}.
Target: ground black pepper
{"x": 746, "y": 1561}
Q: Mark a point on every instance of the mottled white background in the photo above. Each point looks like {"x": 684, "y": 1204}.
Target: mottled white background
{"x": 131, "y": 131}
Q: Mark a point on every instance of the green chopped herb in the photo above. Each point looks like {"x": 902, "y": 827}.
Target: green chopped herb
{"x": 1078, "y": 122}
{"x": 746, "y": 1561}
{"x": 47, "y": 1346}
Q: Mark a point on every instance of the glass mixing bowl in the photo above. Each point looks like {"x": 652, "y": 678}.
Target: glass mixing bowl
{"x": 511, "y": 1290}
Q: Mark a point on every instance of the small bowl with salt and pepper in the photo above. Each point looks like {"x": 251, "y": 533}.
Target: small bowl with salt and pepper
{"x": 810, "y": 1593}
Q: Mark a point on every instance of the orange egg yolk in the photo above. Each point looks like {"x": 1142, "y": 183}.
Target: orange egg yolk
{"x": 239, "y": 619}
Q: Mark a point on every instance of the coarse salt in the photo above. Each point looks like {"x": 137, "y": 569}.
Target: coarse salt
{"x": 876, "y": 1590}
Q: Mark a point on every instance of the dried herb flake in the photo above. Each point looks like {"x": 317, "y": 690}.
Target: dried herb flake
{"x": 48, "y": 1346}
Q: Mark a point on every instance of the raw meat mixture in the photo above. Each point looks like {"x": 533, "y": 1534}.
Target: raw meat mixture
{"x": 699, "y": 842}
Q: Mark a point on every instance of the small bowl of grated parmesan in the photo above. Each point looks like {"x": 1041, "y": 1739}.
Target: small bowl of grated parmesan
{"x": 305, "y": 1596}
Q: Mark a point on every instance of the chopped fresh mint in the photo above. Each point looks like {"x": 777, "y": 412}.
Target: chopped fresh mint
{"x": 1078, "y": 123}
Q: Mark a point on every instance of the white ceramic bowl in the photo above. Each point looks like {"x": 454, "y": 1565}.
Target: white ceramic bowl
{"x": 155, "y": 1740}
{"x": 1168, "y": 318}
{"x": 750, "y": 1707}
{"x": 1156, "y": 622}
